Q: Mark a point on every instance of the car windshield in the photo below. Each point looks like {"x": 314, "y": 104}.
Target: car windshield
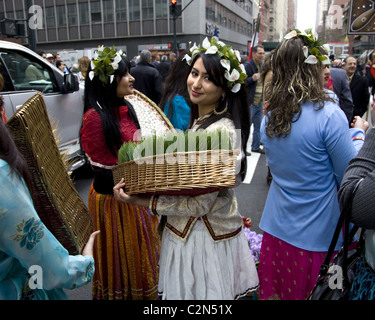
{"x": 28, "y": 74}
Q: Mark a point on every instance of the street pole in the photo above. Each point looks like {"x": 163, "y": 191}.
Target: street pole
{"x": 174, "y": 30}
{"x": 30, "y": 32}
{"x": 175, "y": 16}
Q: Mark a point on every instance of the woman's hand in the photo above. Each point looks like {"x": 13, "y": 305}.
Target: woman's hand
{"x": 373, "y": 113}
{"x": 121, "y": 196}
{"x": 360, "y": 123}
{"x": 88, "y": 249}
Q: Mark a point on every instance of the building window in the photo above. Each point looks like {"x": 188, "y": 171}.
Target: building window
{"x": 72, "y": 15}
{"x": 210, "y": 12}
{"x": 84, "y": 13}
{"x": 161, "y": 7}
{"x": 147, "y": 9}
{"x": 121, "y": 10}
{"x": 134, "y": 13}
{"x": 50, "y": 17}
{"x": 96, "y": 12}
{"x": 9, "y": 15}
{"x": 108, "y": 10}
{"x": 20, "y": 14}
{"x": 61, "y": 16}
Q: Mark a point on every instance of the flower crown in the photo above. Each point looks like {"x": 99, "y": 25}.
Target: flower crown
{"x": 104, "y": 63}
{"x": 311, "y": 47}
{"x": 235, "y": 72}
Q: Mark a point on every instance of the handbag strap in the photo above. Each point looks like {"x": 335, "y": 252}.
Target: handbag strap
{"x": 345, "y": 213}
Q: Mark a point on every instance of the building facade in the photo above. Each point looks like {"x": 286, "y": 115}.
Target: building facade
{"x": 277, "y": 18}
{"x": 133, "y": 25}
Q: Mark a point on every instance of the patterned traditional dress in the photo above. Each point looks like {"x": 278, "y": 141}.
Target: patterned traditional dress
{"x": 33, "y": 264}
{"x": 204, "y": 254}
{"x": 127, "y": 249}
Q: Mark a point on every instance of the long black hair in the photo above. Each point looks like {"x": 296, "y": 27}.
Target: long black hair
{"x": 14, "y": 158}
{"x": 103, "y": 98}
{"x": 175, "y": 83}
{"x": 236, "y": 103}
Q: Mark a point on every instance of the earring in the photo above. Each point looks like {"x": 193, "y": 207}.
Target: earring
{"x": 221, "y": 112}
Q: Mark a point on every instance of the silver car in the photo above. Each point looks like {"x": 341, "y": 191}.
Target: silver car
{"x": 25, "y": 73}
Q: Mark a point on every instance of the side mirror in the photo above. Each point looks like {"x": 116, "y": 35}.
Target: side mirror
{"x": 71, "y": 83}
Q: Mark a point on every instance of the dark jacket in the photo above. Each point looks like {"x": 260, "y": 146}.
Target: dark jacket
{"x": 163, "y": 67}
{"x": 250, "y": 68}
{"x": 360, "y": 94}
{"x": 342, "y": 90}
{"x": 148, "y": 81}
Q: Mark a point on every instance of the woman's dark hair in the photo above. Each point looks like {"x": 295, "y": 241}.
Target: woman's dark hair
{"x": 103, "y": 98}
{"x": 59, "y": 63}
{"x": 236, "y": 103}
{"x": 175, "y": 83}
{"x": 10, "y": 154}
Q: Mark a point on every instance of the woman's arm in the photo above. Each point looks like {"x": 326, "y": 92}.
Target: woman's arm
{"x": 24, "y": 237}
{"x": 362, "y": 166}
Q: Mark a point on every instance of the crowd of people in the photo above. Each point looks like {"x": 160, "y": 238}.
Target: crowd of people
{"x": 307, "y": 113}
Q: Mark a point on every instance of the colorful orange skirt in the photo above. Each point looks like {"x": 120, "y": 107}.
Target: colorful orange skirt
{"x": 126, "y": 251}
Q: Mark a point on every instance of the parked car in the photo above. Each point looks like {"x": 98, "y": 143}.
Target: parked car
{"x": 25, "y": 73}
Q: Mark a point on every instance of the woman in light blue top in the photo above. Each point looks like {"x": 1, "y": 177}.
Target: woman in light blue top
{"x": 33, "y": 264}
{"x": 175, "y": 90}
{"x": 308, "y": 147}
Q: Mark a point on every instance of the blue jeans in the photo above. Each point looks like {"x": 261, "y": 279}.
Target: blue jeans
{"x": 256, "y": 113}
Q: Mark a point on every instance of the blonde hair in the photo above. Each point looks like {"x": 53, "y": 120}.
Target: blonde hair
{"x": 83, "y": 64}
{"x": 293, "y": 83}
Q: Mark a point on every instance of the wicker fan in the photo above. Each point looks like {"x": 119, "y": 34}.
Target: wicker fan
{"x": 55, "y": 198}
{"x": 151, "y": 118}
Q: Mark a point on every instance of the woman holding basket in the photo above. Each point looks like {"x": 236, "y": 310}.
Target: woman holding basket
{"x": 204, "y": 253}
{"x": 127, "y": 250}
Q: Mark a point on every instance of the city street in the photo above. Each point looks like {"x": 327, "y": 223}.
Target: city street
{"x": 251, "y": 196}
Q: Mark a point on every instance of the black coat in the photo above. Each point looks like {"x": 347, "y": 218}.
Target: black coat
{"x": 251, "y": 68}
{"x": 360, "y": 94}
{"x": 342, "y": 90}
{"x": 163, "y": 67}
{"x": 148, "y": 81}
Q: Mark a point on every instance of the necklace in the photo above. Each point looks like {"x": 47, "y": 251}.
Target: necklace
{"x": 203, "y": 119}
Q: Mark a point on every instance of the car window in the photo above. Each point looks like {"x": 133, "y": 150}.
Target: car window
{"x": 27, "y": 73}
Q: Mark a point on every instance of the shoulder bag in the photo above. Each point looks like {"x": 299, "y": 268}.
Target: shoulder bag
{"x": 336, "y": 277}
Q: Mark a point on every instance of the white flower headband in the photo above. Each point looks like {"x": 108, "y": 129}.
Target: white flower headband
{"x": 235, "y": 72}
{"x": 105, "y": 63}
{"x": 311, "y": 47}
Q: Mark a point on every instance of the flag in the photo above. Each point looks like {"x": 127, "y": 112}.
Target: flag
{"x": 216, "y": 34}
{"x": 254, "y": 41}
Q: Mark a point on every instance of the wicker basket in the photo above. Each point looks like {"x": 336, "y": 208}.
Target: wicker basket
{"x": 54, "y": 195}
{"x": 183, "y": 173}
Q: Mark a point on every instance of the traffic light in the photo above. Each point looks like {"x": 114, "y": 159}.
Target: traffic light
{"x": 173, "y": 6}
{"x": 11, "y": 28}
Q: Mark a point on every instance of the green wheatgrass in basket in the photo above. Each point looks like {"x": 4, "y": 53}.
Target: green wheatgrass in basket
{"x": 171, "y": 142}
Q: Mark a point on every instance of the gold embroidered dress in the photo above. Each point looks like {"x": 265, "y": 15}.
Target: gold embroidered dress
{"x": 204, "y": 253}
